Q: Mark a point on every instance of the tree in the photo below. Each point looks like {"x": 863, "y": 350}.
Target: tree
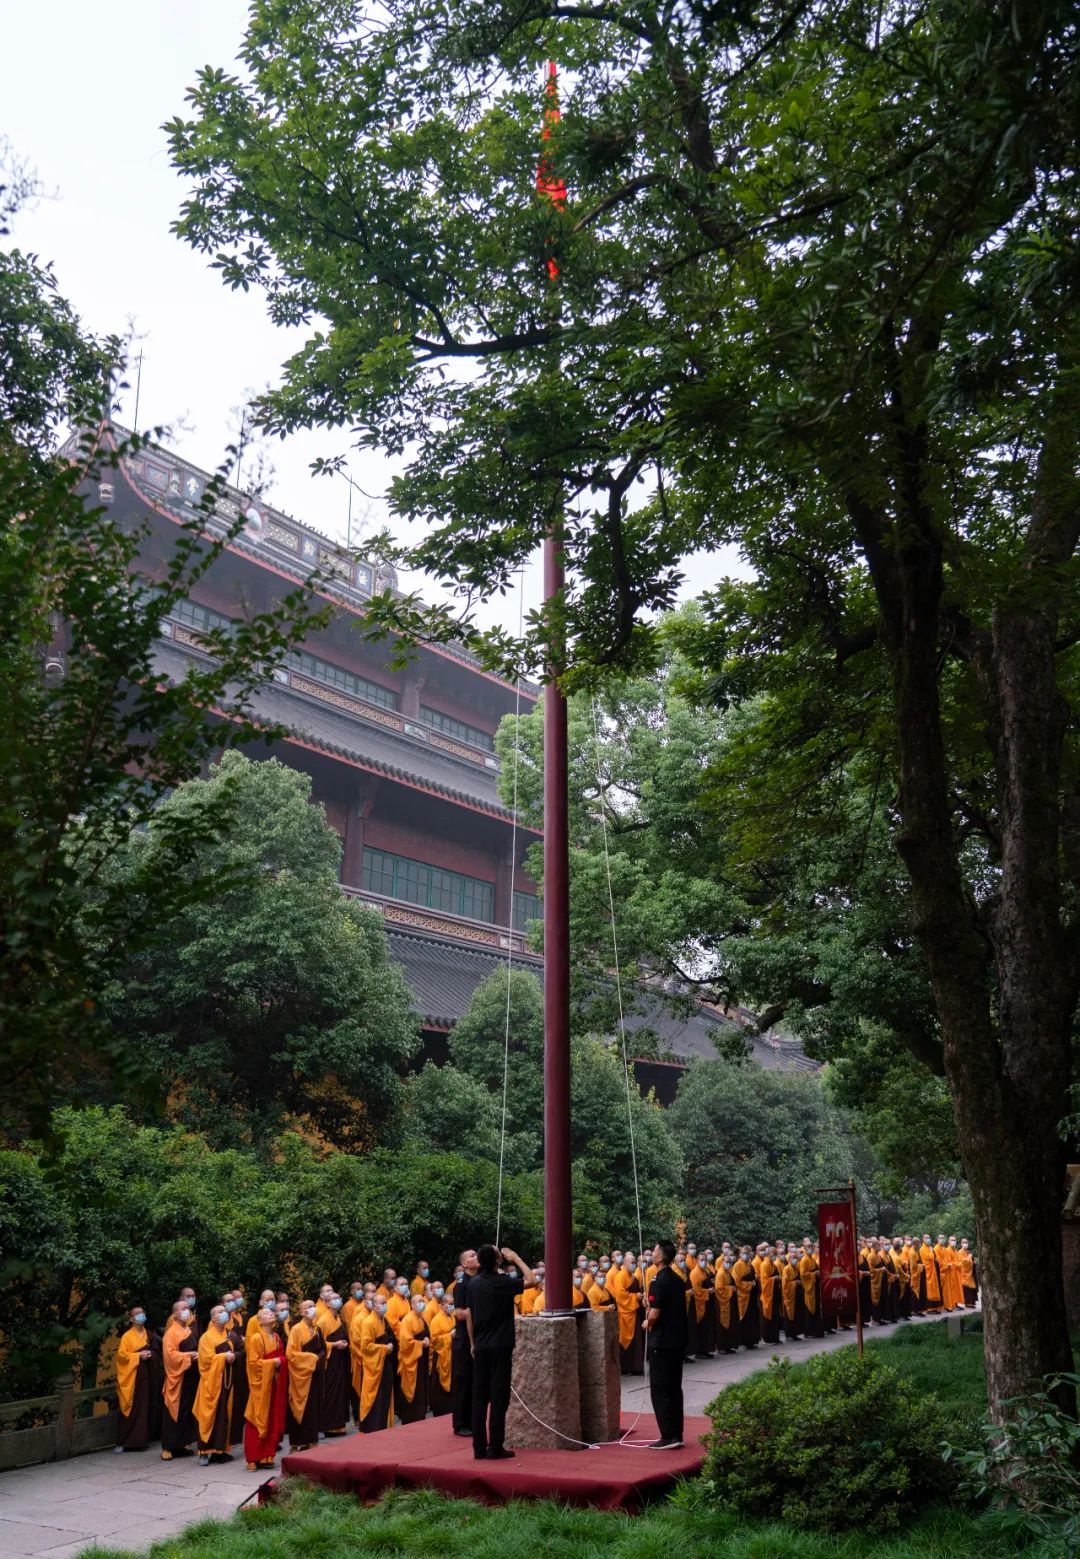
{"x": 92, "y": 739}
{"x": 817, "y": 278}
{"x": 459, "y": 1108}
{"x": 276, "y": 1000}
{"x": 758, "y": 1146}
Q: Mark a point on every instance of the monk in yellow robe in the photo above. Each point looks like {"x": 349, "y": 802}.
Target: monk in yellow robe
{"x": 600, "y": 1296}
{"x": 629, "y": 1296}
{"x": 134, "y": 1358}
{"x": 945, "y": 1280}
{"x": 791, "y": 1294}
{"x": 305, "y": 1355}
{"x": 747, "y": 1289}
{"x": 702, "y": 1280}
{"x": 378, "y": 1347}
{"x": 421, "y": 1277}
{"x": 353, "y": 1303}
{"x": 267, "y": 1297}
{"x": 213, "y": 1399}
{"x": 180, "y": 1364}
{"x": 388, "y": 1286}
{"x": 952, "y": 1288}
{"x": 969, "y": 1278}
{"x": 913, "y": 1262}
{"x": 583, "y": 1273}
{"x": 878, "y": 1286}
{"x": 264, "y": 1416}
{"x": 727, "y": 1307}
{"x": 769, "y": 1279}
{"x": 413, "y": 1364}
{"x": 336, "y": 1381}
{"x": 931, "y": 1274}
{"x": 399, "y": 1304}
{"x": 440, "y": 1322}
{"x": 811, "y": 1287}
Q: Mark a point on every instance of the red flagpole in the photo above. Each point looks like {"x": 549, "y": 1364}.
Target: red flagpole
{"x": 558, "y": 1204}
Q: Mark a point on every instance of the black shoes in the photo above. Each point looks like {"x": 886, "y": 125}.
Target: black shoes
{"x": 499, "y": 1456}
{"x": 665, "y": 1445}
{"x": 463, "y": 1434}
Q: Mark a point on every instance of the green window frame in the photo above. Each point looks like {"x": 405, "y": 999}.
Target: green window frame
{"x": 458, "y": 728}
{"x": 526, "y": 909}
{"x": 336, "y": 676}
{"x": 414, "y": 882}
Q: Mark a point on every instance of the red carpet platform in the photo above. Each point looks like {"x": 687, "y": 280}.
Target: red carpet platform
{"x": 427, "y": 1456}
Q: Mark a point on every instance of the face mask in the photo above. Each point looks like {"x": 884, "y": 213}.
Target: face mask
{"x": 425, "y": 1272}
{"x": 618, "y": 1261}
{"x": 458, "y": 1275}
{"x": 709, "y": 1258}
{"x": 220, "y": 1318}
{"x": 419, "y": 1306}
{"x": 727, "y": 1262}
{"x": 631, "y": 1266}
{"x": 185, "y": 1316}
{"x": 309, "y": 1316}
{"x": 593, "y": 1268}
{"x": 335, "y": 1303}
{"x": 403, "y": 1290}
{"x": 140, "y": 1318}
{"x": 358, "y": 1293}
{"x": 600, "y": 1280}
{"x": 283, "y": 1315}
{"x": 952, "y": 1244}
{"x": 370, "y": 1303}
{"x": 605, "y": 1266}
{"x": 578, "y": 1281}
{"x": 691, "y": 1250}
{"x": 681, "y": 1263}
{"x": 380, "y": 1306}
{"x": 438, "y": 1290}
{"x": 449, "y": 1309}
{"x": 582, "y": 1265}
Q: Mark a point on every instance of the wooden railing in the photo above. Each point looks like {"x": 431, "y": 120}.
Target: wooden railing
{"x": 54, "y": 1427}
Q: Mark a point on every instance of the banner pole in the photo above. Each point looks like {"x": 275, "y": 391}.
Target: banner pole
{"x": 858, "y": 1285}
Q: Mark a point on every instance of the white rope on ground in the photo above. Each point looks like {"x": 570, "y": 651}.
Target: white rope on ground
{"x": 510, "y": 926}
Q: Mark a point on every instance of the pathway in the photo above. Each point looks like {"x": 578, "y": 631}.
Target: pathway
{"x": 131, "y": 1501}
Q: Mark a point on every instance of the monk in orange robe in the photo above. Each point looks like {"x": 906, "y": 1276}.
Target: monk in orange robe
{"x": 440, "y": 1323}
{"x": 600, "y": 1296}
{"x": 951, "y": 1287}
{"x": 134, "y": 1358}
{"x": 399, "y": 1304}
{"x": 969, "y": 1278}
{"x": 354, "y": 1302}
{"x": 748, "y": 1289}
{"x": 305, "y": 1354}
{"x": 629, "y": 1298}
{"x": 945, "y": 1279}
{"x": 178, "y": 1356}
{"x": 769, "y": 1279}
{"x": 413, "y": 1364}
{"x": 727, "y": 1306}
{"x": 378, "y": 1347}
{"x": 421, "y": 1278}
{"x": 702, "y": 1281}
{"x": 913, "y": 1262}
{"x": 213, "y": 1399}
{"x": 264, "y": 1416}
{"x": 388, "y": 1285}
{"x": 932, "y": 1276}
{"x": 811, "y": 1287}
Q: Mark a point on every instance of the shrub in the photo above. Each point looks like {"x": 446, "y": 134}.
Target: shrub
{"x": 844, "y": 1441}
{"x": 1030, "y": 1466}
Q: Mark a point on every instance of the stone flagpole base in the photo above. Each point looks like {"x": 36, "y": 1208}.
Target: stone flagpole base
{"x": 566, "y": 1371}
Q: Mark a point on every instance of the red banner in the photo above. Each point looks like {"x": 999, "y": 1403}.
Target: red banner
{"x": 839, "y": 1268}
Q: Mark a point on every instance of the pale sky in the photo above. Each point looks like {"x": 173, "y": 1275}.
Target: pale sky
{"x": 86, "y": 89}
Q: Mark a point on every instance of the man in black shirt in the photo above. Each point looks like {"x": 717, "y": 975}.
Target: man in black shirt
{"x": 490, "y": 1319}
{"x": 666, "y": 1330}
{"x": 462, "y": 1365}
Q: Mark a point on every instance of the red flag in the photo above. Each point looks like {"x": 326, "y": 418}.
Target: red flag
{"x": 548, "y": 181}
{"x": 839, "y": 1269}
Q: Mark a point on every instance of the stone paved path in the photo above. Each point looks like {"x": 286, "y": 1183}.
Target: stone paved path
{"x": 133, "y": 1500}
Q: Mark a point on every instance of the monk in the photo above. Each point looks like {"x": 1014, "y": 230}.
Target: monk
{"x": 267, "y": 1297}
{"x": 681, "y": 1268}
{"x": 969, "y": 1277}
{"x": 702, "y": 1281}
{"x": 878, "y": 1287}
{"x": 413, "y": 1364}
{"x": 283, "y": 1312}
{"x": 583, "y": 1272}
{"x": 134, "y": 1358}
{"x": 747, "y": 1289}
{"x": 388, "y": 1285}
{"x": 354, "y": 1302}
{"x": 398, "y": 1304}
{"x": 932, "y": 1276}
{"x": 187, "y": 1297}
{"x": 628, "y": 1294}
{"x": 810, "y": 1279}
{"x": 727, "y": 1308}
{"x": 178, "y": 1347}
{"x": 599, "y": 1296}
{"x": 378, "y": 1347}
{"x": 336, "y": 1382}
{"x": 305, "y": 1354}
{"x": 322, "y": 1306}
{"x": 950, "y": 1282}
{"x": 422, "y": 1276}
{"x": 213, "y": 1399}
{"x": 955, "y": 1281}
{"x": 236, "y": 1327}
{"x": 769, "y": 1279}
{"x": 791, "y": 1295}
{"x": 903, "y": 1280}
{"x": 913, "y": 1262}
{"x": 264, "y": 1416}
{"x": 440, "y": 1322}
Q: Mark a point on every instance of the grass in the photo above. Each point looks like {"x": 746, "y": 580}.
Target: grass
{"x": 314, "y": 1524}
{"x": 311, "y": 1523}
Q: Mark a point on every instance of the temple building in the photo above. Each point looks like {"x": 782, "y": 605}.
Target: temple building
{"x": 402, "y": 760}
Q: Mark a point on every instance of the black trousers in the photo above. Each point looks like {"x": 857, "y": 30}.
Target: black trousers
{"x": 665, "y": 1386}
{"x": 461, "y": 1385}
{"x": 490, "y": 1389}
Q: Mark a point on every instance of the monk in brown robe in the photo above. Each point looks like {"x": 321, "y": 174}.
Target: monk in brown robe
{"x": 748, "y": 1289}
{"x": 969, "y": 1278}
{"x": 178, "y": 1353}
{"x": 378, "y": 1346}
{"x": 727, "y": 1307}
{"x": 305, "y": 1354}
{"x": 932, "y": 1276}
{"x": 237, "y": 1330}
{"x": 264, "y": 1419}
{"x": 134, "y": 1358}
{"x": 213, "y": 1399}
{"x": 413, "y": 1364}
{"x": 440, "y": 1321}
{"x": 627, "y": 1289}
{"x": 336, "y": 1381}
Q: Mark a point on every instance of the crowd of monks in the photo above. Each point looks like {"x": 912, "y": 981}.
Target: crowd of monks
{"x": 386, "y": 1352}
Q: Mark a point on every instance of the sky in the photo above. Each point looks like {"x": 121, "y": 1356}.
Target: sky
{"x": 86, "y": 90}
